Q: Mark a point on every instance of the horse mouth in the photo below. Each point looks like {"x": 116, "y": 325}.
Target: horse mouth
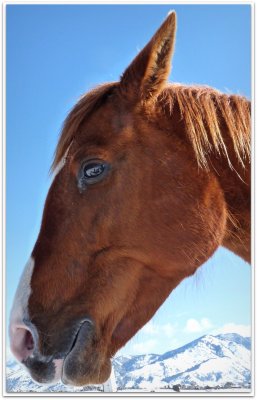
{"x": 84, "y": 333}
{"x": 83, "y": 336}
{"x": 83, "y": 364}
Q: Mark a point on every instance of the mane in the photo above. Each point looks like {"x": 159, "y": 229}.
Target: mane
{"x": 204, "y": 111}
{"x": 202, "y": 108}
{"x": 87, "y": 104}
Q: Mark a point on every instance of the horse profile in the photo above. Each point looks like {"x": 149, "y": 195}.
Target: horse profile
{"x": 149, "y": 179}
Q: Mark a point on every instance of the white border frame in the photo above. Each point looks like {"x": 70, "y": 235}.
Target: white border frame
{"x": 3, "y": 202}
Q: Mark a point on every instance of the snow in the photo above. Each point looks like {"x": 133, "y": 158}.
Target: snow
{"x": 221, "y": 362}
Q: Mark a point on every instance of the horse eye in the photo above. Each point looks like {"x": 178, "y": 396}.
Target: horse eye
{"x": 91, "y": 172}
{"x": 93, "y": 169}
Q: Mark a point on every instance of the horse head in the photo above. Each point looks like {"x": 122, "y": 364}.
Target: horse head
{"x": 129, "y": 214}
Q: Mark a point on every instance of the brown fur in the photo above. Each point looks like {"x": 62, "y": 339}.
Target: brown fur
{"x": 179, "y": 187}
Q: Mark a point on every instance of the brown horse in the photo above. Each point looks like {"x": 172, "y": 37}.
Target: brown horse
{"x": 149, "y": 180}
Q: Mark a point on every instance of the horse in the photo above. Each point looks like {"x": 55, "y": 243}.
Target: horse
{"x": 149, "y": 179}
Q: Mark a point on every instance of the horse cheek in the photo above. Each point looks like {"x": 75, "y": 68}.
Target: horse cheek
{"x": 214, "y": 215}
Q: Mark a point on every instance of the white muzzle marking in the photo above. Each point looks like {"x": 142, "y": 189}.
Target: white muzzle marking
{"x": 19, "y": 310}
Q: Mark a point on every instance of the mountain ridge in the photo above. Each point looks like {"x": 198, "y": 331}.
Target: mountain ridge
{"x": 217, "y": 361}
{"x": 210, "y": 360}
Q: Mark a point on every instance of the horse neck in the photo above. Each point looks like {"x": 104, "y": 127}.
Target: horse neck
{"x": 234, "y": 180}
{"x": 235, "y": 183}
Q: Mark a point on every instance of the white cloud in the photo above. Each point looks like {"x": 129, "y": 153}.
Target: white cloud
{"x": 194, "y": 325}
{"x": 206, "y": 323}
{"x": 144, "y": 347}
{"x": 243, "y": 330}
{"x": 168, "y": 329}
{"x": 150, "y": 329}
{"x": 158, "y": 329}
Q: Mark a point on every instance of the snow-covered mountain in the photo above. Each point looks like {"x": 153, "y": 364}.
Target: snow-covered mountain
{"x": 222, "y": 360}
{"x": 210, "y": 361}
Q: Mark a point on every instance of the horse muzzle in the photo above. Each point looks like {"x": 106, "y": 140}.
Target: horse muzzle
{"x": 86, "y": 363}
{"x": 62, "y": 365}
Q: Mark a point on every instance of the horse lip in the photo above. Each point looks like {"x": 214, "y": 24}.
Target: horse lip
{"x": 81, "y": 332}
{"x": 86, "y": 364}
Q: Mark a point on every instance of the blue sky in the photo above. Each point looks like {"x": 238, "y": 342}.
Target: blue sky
{"x": 56, "y": 53}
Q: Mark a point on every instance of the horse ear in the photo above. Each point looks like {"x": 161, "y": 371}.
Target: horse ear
{"x": 147, "y": 74}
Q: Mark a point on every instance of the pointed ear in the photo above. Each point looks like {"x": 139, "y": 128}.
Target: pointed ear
{"x": 148, "y": 73}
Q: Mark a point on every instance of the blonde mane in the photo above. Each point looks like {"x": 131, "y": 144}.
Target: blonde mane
{"x": 87, "y": 104}
{"x": 203, "y": 110}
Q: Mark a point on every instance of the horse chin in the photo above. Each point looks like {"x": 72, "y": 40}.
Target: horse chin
{"x": 85, "y": 364}
{"x": 87, "y": 372}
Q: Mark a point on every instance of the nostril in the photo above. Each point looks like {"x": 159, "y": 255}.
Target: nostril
{"x": 28, "y": 341}
{"x": 22, "y": 342}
